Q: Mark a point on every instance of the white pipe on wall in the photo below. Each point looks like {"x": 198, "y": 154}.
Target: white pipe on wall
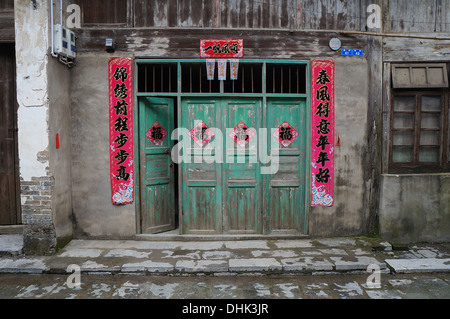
{"x": 51, "y": 27}
{"x": 52, "y": 23}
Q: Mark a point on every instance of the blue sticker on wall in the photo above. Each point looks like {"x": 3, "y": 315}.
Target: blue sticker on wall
{"x": 352, "y": 52}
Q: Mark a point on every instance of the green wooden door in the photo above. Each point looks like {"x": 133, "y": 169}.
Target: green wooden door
{"x": 157, "y": 189}
{"x": 285, "y": 188}
{"x": 201, "y": 207}
{"x": 242, "y": 186}
{"x": 232, "y": 196}
{"x": 222, "y": 193}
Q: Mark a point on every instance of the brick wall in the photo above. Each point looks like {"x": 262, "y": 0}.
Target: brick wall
{"x": 39, "y": 232}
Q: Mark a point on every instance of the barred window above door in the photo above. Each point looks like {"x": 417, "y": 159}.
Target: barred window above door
{"x": 112, "y": 12}
{"x": 419, "y": 131}
{"x": 252, "y": 78}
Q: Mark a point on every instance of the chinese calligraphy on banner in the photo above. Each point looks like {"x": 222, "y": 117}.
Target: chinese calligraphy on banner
{"x": 221, "y": 48}
{"x": 222, "y": 64}
{"x": 121, "y": 130}
{"x": 234, "y": 66}
{"x": 323, "y": 131}
{"x": 210, "y": 67}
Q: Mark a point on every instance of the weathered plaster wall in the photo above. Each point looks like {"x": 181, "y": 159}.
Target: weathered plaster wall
{"x": 60, "y": 159}
{"x": 32, "y": 93}
{"x": 347, "y": 216}
{"x": 43, "y": 98}
{"x": 36, "y": 182}
{"x": 415, "y": 208}
{"x": 94, "y": 214}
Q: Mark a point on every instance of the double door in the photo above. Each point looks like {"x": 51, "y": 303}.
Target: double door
{"x": 242, "y": 166}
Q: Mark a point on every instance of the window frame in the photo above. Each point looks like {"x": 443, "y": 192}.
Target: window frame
{"x": 108, "y": 7}
{"x": 444, "y": 147}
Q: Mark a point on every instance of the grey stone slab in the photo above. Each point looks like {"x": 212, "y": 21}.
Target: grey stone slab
{"x": 360, "y": 252}
{"x": 80, "y": 252}
{"x": 310, "y": 252}
{"x": 333, "y": 251}
{"x": 93, "y": 266}
{"x": 147, "y": 265}
{"x": 348, "y": 290}
{"x": 246, "y": 244}
{"x": 127, "y": 253}
{"x": 217, "y": 254}
{"x": 149, "y": 245}
{"x": 306, "y": 264}
{"x": 337, "y": 242}
{"x": 419, "y": 265}
{"x": 285, "y": 253}
{"x": 387, "y": 246}
{"x": 181, "y": 255}
{"x": 11, "y": 243}
{"x": 121, "y": 244}
{"x": 290, "y": 243}
{"x": 400, "y": 282}
{"x": 200, "y": 245}
{"x": 428, "y": 253}
{"x": 254, "y": 264}
{"x": 357, "y": 263}
{"x": 202, "y": 265}
{"x": 101, "y": 244}
{"x": 23, "y": 265}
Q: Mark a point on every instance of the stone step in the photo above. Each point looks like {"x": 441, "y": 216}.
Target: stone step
{"x": 419, "y": 265}
{"x": 11, "y": 245}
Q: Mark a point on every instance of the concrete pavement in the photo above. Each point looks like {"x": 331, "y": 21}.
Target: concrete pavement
{"x": 220, "y": 290}
{"x": 356, "y": 255}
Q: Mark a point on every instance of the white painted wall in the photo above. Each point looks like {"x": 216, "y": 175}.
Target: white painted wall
{"x": 33, "y": 138}
{"x": 32, "y": 43}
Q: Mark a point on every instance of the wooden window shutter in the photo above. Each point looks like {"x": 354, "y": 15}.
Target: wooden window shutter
{"x": 427, "y": 75}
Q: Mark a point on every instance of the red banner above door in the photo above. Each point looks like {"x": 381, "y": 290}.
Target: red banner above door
{"x": 221, "y": 48}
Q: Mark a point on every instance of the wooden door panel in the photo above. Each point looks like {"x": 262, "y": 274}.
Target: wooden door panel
{"x": 156, "y": 167}
{"x": 285, "y": 189}
{"x": 9, "y": 192}
{"x": 202, "y": 216}
{"x": 160, "y": 168}
{"x": 242, "y": 213}
{"x": 201, "y": 175}
{"x": 242, "y": 187}
{"x": 156, "y": 219}
{"x": 284, "y": 208}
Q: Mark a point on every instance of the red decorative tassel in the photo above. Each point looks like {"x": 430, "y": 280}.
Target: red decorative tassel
{"x": 57, "y": 140}
{"x": 339, "y": 140}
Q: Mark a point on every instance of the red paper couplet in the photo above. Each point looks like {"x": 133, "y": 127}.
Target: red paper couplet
{"x": 120, "y": 75}
{"x": 323, "y": 131}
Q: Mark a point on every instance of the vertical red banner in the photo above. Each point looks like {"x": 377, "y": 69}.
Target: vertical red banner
{"x": 323, "y": 131}
{"x": 120, "y": 73}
